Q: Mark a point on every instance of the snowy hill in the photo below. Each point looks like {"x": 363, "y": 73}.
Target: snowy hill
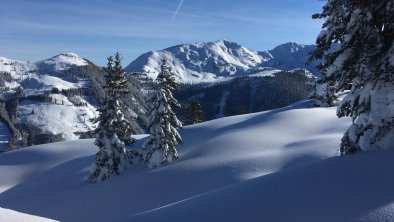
{"x": 221, "y": 60}
{"x": 20, "y": 70}
{"x": 36, "y": 79}
{"x": 60, "y": 62}
{"x": 56, "y": 99}
{"x": 279, "y": 165}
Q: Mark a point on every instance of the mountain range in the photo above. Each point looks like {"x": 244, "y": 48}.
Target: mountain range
{"x": 57, "y": 98}
{"x": 222, "y": 60}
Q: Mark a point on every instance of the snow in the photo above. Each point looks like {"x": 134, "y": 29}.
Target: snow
{"x": 16, "y": 68}
{"x": 280, "y": 165}
{"x": 47, "y": 83}
{"x": 22, "y": 165}
{"x": 68, "y": 118}
{"x": 336, "y": 189}
{"x": 266, "y": 73}
{"x": 380, "y": 113}
{"x": 21, "y": 70}
{"x": 38, "y": 78}
{"x": 10, "y": 215}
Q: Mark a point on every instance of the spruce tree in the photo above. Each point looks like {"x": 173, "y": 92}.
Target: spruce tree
{"x": 324, "y": 92}
{"x": 160, "y": 146}
{"x": 194, "y": 113}
{"x": 364, "y": 62}
{"x": 114, "y": 130}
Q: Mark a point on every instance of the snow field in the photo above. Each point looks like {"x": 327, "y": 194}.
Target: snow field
{"x": 250, "y": 166}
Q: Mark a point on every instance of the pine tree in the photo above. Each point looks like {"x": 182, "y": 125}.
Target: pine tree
{"x": 365, "y": 62}
{"x": 194, "y": 113}
{"x": 160, "y": 146}
{"x": 114, "y": 130}
{"x": 324, "y": 92}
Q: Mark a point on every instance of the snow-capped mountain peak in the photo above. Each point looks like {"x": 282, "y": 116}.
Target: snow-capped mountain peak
{"x": 200, "y": 62}
{"x": 290, "y": 47}
{"x": 63, "y": 61}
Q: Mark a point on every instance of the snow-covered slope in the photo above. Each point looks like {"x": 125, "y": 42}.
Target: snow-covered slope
{"x": 10, "y": 215}
{"x": 221, "y": 60}
{"x": 15, "y": 67}
{"x": 58, "y": 116}
{"x": 279, "y": 165}
{"x": 348, "y": 189}
{"x": 17, "y": 70}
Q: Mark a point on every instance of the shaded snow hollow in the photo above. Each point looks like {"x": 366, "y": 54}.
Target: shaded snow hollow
{"x": 279, "y": 165}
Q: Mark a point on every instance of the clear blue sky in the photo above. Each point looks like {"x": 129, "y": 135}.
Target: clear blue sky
{"x": 37, "y": 29}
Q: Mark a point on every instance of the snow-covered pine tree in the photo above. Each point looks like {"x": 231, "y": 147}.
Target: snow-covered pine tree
{"x": 364, "y": 62}
{"x": 324, "y": 92}
{"x": 160, "y": 146}
{"x": 194, "y": 113}
{"x": 114, "y": 130}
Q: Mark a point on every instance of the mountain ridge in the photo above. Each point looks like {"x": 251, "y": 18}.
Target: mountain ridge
{"x": 221, "y": 60}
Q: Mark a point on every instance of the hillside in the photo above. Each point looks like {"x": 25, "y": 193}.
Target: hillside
{"x": 221, "y": 60}
{"x": 247, "y": 94}
{"x": 244, "y": 167}
{"x": 57, "y": 99}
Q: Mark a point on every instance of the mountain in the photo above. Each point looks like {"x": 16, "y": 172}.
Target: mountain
{"x": 279, "y": 165}
{"x": 201, "y": 62}
{"x": 290, "y": 56}
{"x": 21, "y": 70}
{"x": 221, "y": 60}
{"x": 57, "y": 99}
{"x": 60, "y": 62}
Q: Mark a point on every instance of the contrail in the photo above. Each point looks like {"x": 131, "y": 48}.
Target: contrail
{"x": 177, "y": 10}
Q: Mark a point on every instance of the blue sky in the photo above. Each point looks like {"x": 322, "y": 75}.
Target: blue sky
{"x": 38, "y": 29}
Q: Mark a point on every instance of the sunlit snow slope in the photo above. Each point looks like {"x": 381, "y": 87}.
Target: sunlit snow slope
{"x": 279, "y": 165}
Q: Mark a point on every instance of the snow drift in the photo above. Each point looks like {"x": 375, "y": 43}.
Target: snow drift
{"x": 279, "y": 165}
